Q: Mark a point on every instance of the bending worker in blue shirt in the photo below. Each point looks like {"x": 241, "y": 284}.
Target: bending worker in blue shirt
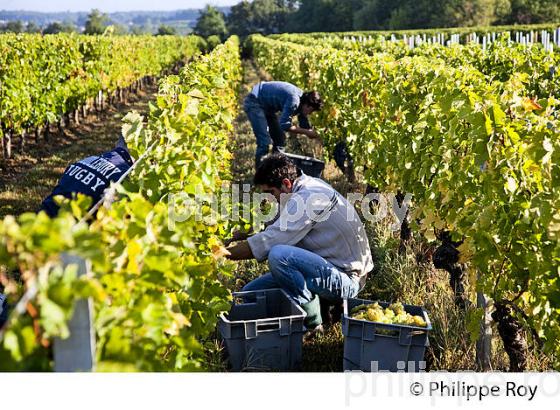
{"x": 90, "y": 176}
{"x": 268, "y": 98}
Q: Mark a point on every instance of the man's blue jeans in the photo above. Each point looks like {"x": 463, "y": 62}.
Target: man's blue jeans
{"x": 265, "y": 126}
{"x": 302, "y": 274}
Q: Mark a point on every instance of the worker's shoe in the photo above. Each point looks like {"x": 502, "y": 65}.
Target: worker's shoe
{"x": 313, "y": 310}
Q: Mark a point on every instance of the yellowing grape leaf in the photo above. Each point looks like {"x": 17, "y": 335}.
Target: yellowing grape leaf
{"x": 465, "y": 252}
{"x": 219, "y": 251}
{"x": 554, "y": 227}
{"x": 133, "y": 250}
{"x": 430, "y": 235}
{"x": 196, "y": 94}
{"x": 530, "y": 104}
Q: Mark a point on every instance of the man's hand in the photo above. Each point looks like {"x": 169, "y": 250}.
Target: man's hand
{"x": 237, "y": 236}
{"x": 313, "y": 134}
{"x": 240, "y": 251}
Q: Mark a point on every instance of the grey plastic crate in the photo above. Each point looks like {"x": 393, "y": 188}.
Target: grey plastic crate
{"x": 310, "y": 166}
{"x": 263, "y": 331}
{"x": 372, "y": 346}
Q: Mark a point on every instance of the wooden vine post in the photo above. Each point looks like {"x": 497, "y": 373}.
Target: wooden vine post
{"x": 484, "y": 342}
{"x": 7, "y": 144}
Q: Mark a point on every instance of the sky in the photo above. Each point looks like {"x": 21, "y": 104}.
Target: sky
{"x": 108, "y": 5}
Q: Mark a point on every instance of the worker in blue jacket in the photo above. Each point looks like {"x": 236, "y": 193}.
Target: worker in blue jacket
{"x": 265, "y": 100}
{"x": 90, "y": 176}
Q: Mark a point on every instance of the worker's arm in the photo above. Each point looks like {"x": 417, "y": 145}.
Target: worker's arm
{"x": 286, "y": 230}
{"x": 298, "y": 130}
{"x": 240, "y": 251}
{"x": 285, "y": 121}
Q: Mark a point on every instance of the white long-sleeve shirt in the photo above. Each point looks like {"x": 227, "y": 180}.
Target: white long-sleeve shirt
{"x": 317, "y": 218}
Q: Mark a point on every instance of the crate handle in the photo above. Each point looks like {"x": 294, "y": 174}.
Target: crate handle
{"x": 255, "y": 298}
{"x": 266, "y": 327}
{"x": 387, "y": 332}
{"x": 238, "y": 300}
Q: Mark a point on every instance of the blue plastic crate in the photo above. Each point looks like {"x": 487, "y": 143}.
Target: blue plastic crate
{"x": 263, "y": 331}
{"x": 372, "y": 346}
{"x": 310, "y": 166}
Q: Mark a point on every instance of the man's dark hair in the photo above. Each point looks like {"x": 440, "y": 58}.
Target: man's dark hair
{"x": 275, "y": 168}
{"x": 313, "y": 99}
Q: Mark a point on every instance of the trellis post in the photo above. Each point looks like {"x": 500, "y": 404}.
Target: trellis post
{"x": 77, "y": 352}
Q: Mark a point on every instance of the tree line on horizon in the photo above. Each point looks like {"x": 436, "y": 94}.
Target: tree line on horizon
{"x": 301, "y": 16}
{"x": 96, "y": 23}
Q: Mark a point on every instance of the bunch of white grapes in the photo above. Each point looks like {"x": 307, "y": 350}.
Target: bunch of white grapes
{"x": 394, "y": 314}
